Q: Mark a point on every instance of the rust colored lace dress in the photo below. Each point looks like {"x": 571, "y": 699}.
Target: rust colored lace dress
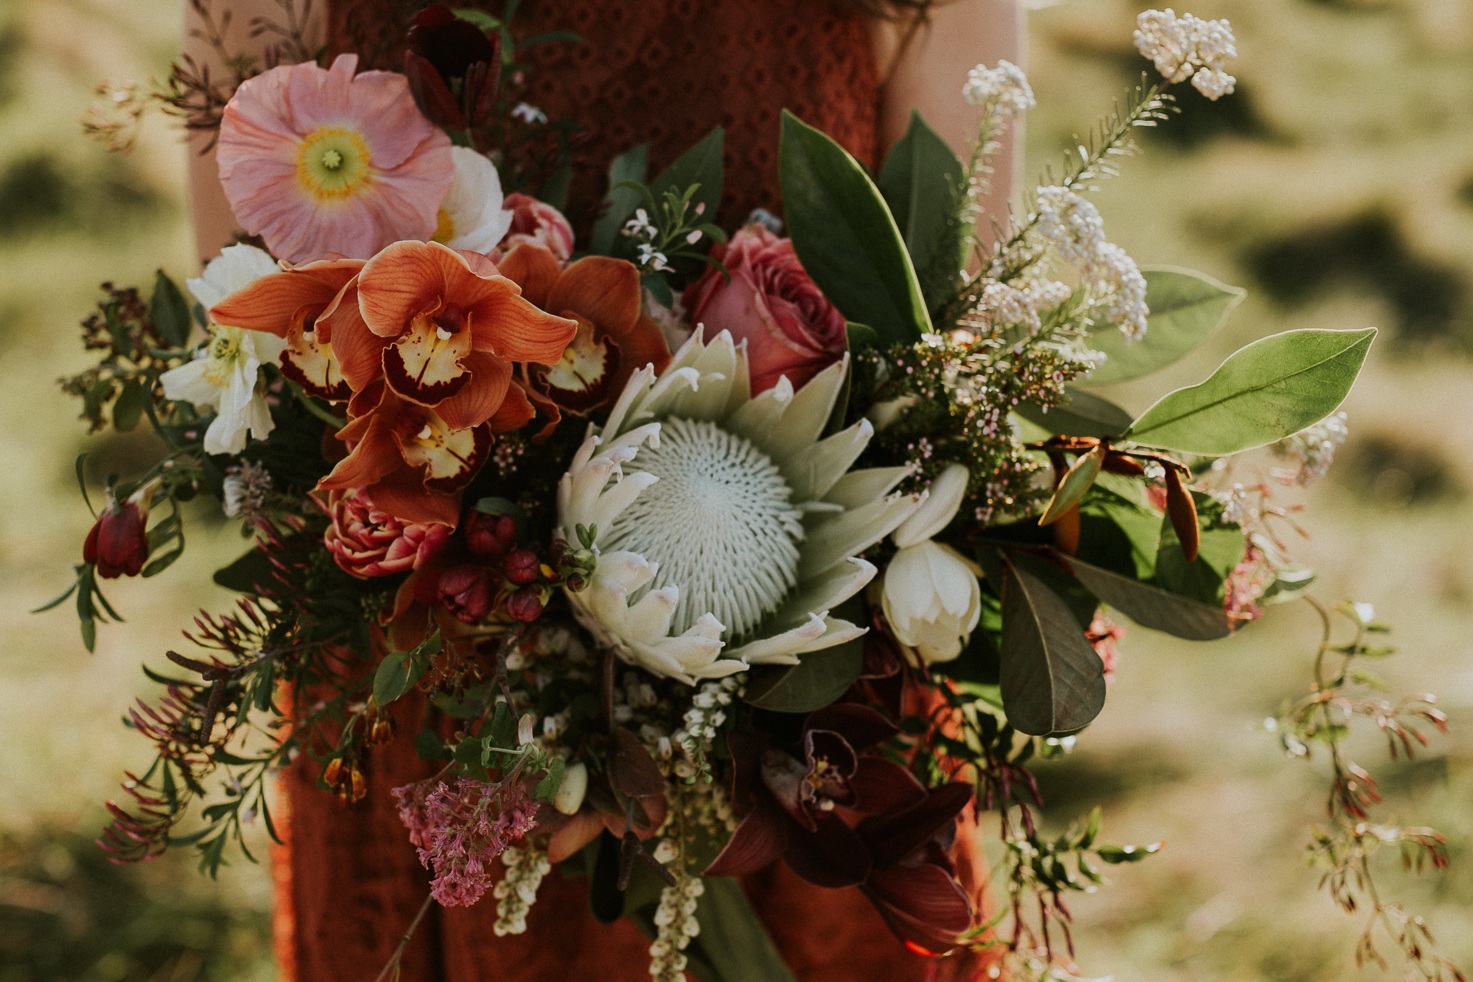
{"x": 662, "y": 72}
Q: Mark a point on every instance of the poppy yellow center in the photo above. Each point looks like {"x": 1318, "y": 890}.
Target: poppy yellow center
{"x": 333, "y": 162}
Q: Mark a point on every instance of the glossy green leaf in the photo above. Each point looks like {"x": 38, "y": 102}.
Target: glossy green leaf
{"x": 1219, "y": 550}
{"x": 621, "y": 200}
{"x": 1264, "y": 392}
{"x": 128, "y": 409}
{"x": 1077, "y": 480}
{"x": 1152, "y": 607}
{"x": 817, "y": 680}
{"x": 845, "y": 236}
{"x": 244, "y": 575}
{"x": 396, "y": 673}
{"x": 169, "y": 312}
{"x": 1082, "y": 414}
{"x": 1115, "y": 855}
{"x": 701, "y": 164}
{"x": 1185, "y": 307}
{"x": 1052, "y": 679}
{"x": 922, "y": 181}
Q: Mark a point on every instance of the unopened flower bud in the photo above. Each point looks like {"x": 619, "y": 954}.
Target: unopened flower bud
{"x": 489, "y": 536}
{"x": 520, "y": 566}
{"x": 526, "y": 604}
{"x": 117, "y": 544}
{"x": 466, "y": 592}
{"x": 569, "y": 796}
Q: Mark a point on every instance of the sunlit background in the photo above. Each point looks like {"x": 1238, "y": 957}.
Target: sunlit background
{"x": 1336, "y": 186}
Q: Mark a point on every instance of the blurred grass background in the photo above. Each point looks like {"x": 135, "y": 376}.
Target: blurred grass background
{"x": 1336, "y": 185}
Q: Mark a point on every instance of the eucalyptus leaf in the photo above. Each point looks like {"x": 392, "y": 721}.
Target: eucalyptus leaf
{"x": 922, "y": 181}
{"x": 1081, "y": 414}
{"x": 620, "y": 201}
{"x": 1052, "y": 679}
{"x": 1152, "y": 607}
{"x": 845, "y": 237}
{"x": 1185, "y": 306}
{"x": 817, "y": 680}
{"x": 1263, "y": 392}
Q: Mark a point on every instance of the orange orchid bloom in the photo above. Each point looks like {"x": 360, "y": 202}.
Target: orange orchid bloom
{"x": 614, "y": 338}
{"x": 441, "y": 328}
{"x": 410, "y": 459}
{"x": 299, "y": 304}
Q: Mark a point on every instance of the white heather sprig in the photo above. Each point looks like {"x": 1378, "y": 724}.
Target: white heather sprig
{"x": 1187, "y": 46}
{"x": 675, "y": 926}
{"x": 1004, "y": 89}
{"x": 701, "y": 723}
{"x": 517, "y": 890}
{"x": 1312, "y": 449}
{"x": 1072, "y": 226}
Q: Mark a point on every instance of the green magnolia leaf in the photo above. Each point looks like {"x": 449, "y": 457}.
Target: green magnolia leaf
{"x": 169, "y": 312}
{"x": 621, "y": 200}
{"x": 1082, "y": 414}
{"x": 922, "y": 182}
{"x": 845, "y": 236}
{"x": 821, "y": 677}
{"x": 1185, "y": 308}
{"x": 702, "y": 165}
{"x": 1077, "y": 480}
{"x": 1052, "y": 679}
{"x": 1219, "y": 551}
{"x": 733, "y": 941}
{"x": 1152, "y": 607}
{"x": 1264, "y": 392}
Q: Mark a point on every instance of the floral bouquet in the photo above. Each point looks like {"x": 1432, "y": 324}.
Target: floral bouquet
{"x": 712, "y": 551}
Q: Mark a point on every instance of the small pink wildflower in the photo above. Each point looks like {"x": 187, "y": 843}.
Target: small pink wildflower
{"x": 1102, "y": 635}
{"x": 460, "y": 828}
{"x": 321, "y": 161}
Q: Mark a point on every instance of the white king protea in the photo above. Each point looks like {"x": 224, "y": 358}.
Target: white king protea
{"x": 727, "y": 527}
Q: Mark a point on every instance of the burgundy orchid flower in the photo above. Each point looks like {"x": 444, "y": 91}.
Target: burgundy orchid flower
{"x": 449, "y": 55}
{"x": 793, "y": 800}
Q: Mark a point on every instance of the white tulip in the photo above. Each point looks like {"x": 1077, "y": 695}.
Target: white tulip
{"x": 931, "y": 600}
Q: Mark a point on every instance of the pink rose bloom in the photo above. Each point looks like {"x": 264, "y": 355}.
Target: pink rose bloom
{"x": 367, "y": 542}
{"x": 320, "y": 161}
{"x": 770, "y": 302}
{"x": 538, "y": 223}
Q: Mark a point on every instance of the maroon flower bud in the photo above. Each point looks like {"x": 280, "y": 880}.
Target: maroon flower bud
{"x": 118, "y": 542}
{"x": 448, "y": 42}
{"x": 467, "y": 592}
{"x": 521, "y": 566}
{"x": 448, "y": 55}
{"x": 526, "y": 604}
{"x": 489, "y": 536}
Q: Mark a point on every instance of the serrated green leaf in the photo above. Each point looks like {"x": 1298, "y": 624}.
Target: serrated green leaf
{"x": 820, "y": 678}
{"x": 845, "y": 237}
{"x": 1266, "y": 391}
{"x": 620, "y": 201}
{"x": 1052, "y": 679}
{"x": 169, "y": 312}
{"x": 921, "y": 181}
{"x": 1152, "y": 607}
{"x": 1185, "y": 306}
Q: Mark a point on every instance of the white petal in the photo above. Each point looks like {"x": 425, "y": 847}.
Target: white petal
{"x": 473, "y": 203}
{"x": 236, "y": 268}
{"x": 188, "y": 383}
{"x": 940, "y": 508}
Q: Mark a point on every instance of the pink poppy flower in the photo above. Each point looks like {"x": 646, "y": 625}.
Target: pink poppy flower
{"x": 322, "y": 161}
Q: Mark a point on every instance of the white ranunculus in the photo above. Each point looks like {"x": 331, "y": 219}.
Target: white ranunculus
{"x": 225, "y": 373}
{"x": 931, "y": 600}
{"x": 471, "y": 216}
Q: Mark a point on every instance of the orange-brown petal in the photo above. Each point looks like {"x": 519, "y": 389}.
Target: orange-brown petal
{"x": 513, "y": 328}
{"x": 359, "y": 351}
{"x": 604, "y": 290}
{"x": 515, "y": 411}
{"x": 478, "y": 401}
{"x": 374, "y": 456}
{"x": 534, "y": 268}
{"x": 404, "y": 280}
{"x": 271, "y": 303}
{"x": 407, "y": 498}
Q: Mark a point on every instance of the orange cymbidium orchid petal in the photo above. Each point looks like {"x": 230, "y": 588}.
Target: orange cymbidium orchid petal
{"x": 475, "y": 404}
{"x": 614, "y": 339}
{"x": 298, "y": 304}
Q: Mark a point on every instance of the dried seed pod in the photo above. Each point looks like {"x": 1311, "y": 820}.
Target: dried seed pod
{"x": 1066, "y": 531}
{"x": 1183, "y": 512}
{"x": 1124, "y": 464}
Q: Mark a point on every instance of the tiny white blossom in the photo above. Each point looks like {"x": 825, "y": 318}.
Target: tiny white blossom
{"x": 1004, "y": 89}
{"x": 1188, "y": 47}
{"x": 529, "y": 113}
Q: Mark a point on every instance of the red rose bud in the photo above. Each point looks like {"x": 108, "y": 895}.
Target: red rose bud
{"x": 520, "y": 566}
{"x": 526, "y": 604}
{"x": 489, "y": 536}
{"x": 466, "y": 591}
{"x": 117, "y": 545}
